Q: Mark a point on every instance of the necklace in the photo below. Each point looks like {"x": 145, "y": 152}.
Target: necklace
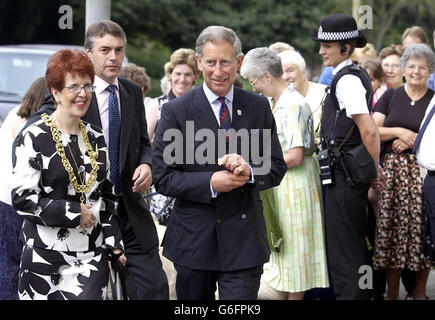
{"x": 93, "y": 155}
{"x": 417, "y": 96}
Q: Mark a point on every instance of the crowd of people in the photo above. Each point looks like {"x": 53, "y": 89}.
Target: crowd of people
{"x": 96, "y": 169}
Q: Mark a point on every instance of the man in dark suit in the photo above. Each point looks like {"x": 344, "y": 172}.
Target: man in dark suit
{"x": 217, "y": 232}
{"x": 117, "y": 106}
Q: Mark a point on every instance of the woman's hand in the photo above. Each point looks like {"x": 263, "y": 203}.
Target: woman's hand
{"x": 122, "y": 258}
{"x": 87, "y": 218}
{"x": 399, "y": 146}
{"x": 407, "y": 136}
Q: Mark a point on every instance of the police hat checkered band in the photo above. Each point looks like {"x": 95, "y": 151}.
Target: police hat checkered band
{"x": 337, "y": 36}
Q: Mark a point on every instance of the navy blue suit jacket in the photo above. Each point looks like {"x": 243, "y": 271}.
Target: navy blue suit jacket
{"x": 228, "y": 232}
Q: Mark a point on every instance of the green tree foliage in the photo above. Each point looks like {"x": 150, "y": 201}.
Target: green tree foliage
{"x": 157, "y": 27}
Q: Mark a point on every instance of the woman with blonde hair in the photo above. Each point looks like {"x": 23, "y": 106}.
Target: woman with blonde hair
{"x": 182, "y": 72}
{"x": 360, "y": 55}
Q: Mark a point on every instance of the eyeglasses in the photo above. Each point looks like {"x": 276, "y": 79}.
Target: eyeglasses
{"x": 75, "y": 88}
{"x": 253, "y": 82}
{"x": 392, "y": 66}
{"x": 419, "y": 68}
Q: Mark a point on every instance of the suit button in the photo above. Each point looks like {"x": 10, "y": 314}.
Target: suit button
{"x": 243, "y": 216}
{"x": 218, "y": 220}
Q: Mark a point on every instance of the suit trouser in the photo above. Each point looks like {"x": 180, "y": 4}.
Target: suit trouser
{"x": 233, "y": 285}
{"x": 146, "y": 280}
{"x": 346, "y": 225}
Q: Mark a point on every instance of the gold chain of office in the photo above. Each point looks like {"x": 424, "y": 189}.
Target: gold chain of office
{"x": 80, "y": 188}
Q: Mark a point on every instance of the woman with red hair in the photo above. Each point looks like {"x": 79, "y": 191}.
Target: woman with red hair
{"x": 62, "y": 190}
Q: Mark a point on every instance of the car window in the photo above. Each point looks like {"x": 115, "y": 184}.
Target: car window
{"x": 19, "y": 70}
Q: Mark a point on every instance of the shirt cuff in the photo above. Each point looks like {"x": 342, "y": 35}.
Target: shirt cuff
{"x": 252, "y": 180}
{"x": 214, "y": 194}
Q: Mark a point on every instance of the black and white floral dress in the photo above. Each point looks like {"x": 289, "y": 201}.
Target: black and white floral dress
{"x": 61, "y": 260}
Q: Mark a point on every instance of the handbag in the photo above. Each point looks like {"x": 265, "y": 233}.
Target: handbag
{"x": 357, "y": 162}
{"x": 274, "y": 232}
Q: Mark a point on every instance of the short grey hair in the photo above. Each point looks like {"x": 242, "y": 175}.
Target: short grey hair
{"x": 419, "y": 51}
{"x": 217, "y": 34}
{"x": 293, "y": 57}
{"x": 259, "y": 60}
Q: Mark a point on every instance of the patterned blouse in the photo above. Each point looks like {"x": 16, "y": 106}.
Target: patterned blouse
{"x": 43, "y": 196}
{"x": 294, "y": 121}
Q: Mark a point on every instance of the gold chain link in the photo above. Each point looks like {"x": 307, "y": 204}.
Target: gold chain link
{"x": 93, "y": 155}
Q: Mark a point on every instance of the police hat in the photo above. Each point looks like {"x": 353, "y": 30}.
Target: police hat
{"x": 339, "y": 27}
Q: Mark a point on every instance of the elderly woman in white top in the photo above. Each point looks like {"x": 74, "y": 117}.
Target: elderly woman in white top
{"x": 296, "y": 203}
{"x": 294, "y": 72}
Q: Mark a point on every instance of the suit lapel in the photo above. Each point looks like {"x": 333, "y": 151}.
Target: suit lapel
{"x": 127, "y": 116}
{"x": 93, "y": 113}
{"x": 240, "y": 116}
{"x": 202, "y": 112}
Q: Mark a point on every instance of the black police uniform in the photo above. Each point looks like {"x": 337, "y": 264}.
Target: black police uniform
{"x": 345, "y": 215}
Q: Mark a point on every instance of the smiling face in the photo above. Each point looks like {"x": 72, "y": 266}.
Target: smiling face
{"x": 330, "y": 52}
{"x": 182, "y": 79}
{"x": 219, "y": 66}
{"x": 74, "y": 104}
{"x": 106, "y": 56}
{"x": 417, "y": 72}
{"x": 292, "y": 74}
{"x": 391, "y": 67}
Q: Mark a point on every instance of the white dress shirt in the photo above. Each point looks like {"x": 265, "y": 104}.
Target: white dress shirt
{"x": 426, "y": 150}
{"x": 103, "y": 103}
{"x": 350, "y": 92}
{"x": 215, "y": 104}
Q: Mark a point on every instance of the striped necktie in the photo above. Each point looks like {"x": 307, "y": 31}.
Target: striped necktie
{"x": 224, "y": 115}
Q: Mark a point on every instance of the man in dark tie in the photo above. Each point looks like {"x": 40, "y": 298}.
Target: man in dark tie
{"x": 217, "y": 232}
{"x": 117, "y": 107}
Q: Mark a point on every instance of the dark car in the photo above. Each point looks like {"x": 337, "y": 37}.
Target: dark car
{"x": 20, "y": 65}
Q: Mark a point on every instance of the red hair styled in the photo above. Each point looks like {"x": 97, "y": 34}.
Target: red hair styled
{"x": 74, "y": 62}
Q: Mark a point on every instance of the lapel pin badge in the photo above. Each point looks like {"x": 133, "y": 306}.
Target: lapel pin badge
{"x": 239, "y": 112}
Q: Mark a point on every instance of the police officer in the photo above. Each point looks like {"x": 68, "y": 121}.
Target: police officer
{"x": 346, "y": 104}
